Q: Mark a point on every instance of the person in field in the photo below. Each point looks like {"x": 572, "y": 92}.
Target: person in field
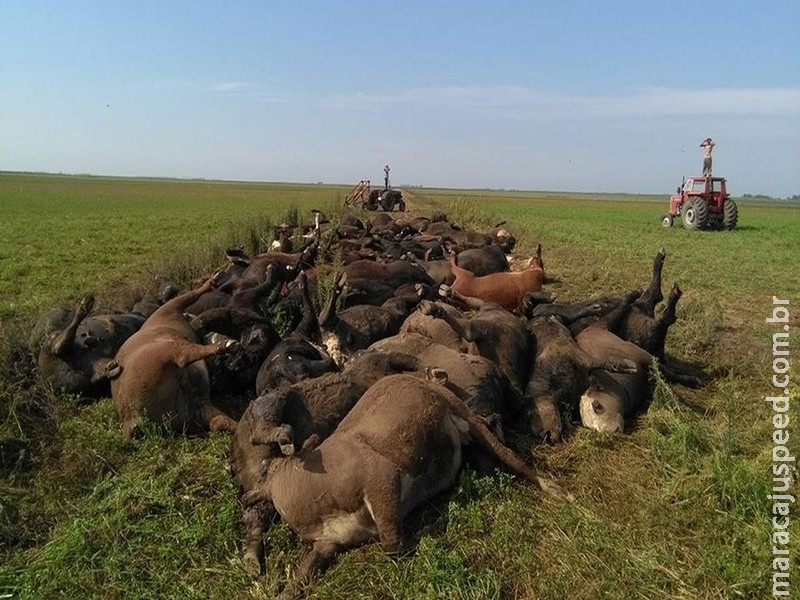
{"x": 707, "y": 145}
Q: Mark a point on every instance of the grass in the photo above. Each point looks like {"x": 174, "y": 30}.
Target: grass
{"x": 678, "y": 508}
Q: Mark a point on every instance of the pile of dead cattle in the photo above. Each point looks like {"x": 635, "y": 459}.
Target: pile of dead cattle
{"x": 428, "y": 343}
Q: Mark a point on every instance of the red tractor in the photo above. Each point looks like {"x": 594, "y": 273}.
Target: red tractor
{"x": 702, "y": 203}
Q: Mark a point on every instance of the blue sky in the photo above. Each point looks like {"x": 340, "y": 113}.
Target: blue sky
{"x": 570, "y": 95}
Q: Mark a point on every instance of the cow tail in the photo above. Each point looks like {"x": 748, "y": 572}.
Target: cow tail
{"x": 483, "y": 435}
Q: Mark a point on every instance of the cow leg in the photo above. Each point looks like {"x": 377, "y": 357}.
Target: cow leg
{"x": 385, "y": 509}
{"x": 674, "y": 377}
{"x": 467, "y": 302}
{"x": 254, "y": 496}
{"x": 533, "y": 300}
{"x": 667, "y": 316}
{"x": 567, "y": 313}
{"x": 248, "y": 298}
{"x": 329, "y": 311}
{"x": 653, "y": 295}
{"x": 459, "y": 326}
{"x": 256, "y": 519}
{"x": 213, "y": 319}
{"x": 613, "y": 319}
{"x": 105, "y": 368}
{"x": 215, "y": 419}
{"x": 185, "y": 353}
{"x": 309, "y": 325}
{"x": 63, "y": 341}
{"x": 658, "y": 331}
{"x": 316, "y": 561}
{"x": 178, "y": 303}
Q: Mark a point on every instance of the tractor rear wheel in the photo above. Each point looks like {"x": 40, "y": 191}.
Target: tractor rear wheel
{"x": 401, "y": 206}
{"x": 730, "y": 214}
{"x": 714, "y": 221}
{"x": 694, "y": 213}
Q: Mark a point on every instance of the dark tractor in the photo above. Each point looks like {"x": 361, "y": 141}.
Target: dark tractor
{"x": 374, "y": 199}
{"x": 385, "y": 200}
{"x": 702, "y": 203}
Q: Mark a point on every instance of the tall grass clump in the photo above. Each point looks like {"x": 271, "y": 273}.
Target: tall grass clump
{"x": 467, "y": 213}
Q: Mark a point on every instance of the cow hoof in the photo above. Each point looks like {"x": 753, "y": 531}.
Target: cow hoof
{"x": 235, "y": 251}
{"x": 113, "y": 369}
{"x": 311, "y": 442}
{"x": 86, "y": 305}
{"x": 436, "y": 375}
{"x": 222, "y": 423}
{"x": 288, "y": 593}
{"x": 428, "y": 308}
{"x": 252, "y": 565}
{"x": 552, "y": 489}
{"x": 632, "y": 296}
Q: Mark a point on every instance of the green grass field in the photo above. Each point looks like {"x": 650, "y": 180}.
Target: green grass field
{"x": 678, "y": 508}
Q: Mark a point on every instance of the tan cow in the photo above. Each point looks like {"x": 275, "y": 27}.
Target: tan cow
{"x": 161, "y": 375}
{"x": 507, "y": 288}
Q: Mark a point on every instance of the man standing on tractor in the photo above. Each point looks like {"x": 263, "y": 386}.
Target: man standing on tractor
{"x": 707, "y": 145}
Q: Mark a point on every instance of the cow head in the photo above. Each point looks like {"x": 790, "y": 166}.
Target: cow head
{"x": 602, "y": 407}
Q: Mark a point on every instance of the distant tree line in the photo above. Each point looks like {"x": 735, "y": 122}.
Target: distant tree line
{"x": 795, "y": 198}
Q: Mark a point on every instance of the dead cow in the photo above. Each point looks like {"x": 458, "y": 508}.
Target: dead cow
{"x": 161, "y": 375}
{"x": 76, "y": 358}
{"x": 561, "y": 373}
{"x": 612, "y": 397}
{"x": 507, "y": 288}
{"x": 286, "y": 419}
{"x": 491, "y": 331}
{"x": 399, "y": 447}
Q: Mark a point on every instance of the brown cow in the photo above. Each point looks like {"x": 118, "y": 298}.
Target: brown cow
{"x": 491, "y": 332}
{"x": 396, "y": 449}
{"x": 506, "y": 289}
{"x": 163, "y": 376}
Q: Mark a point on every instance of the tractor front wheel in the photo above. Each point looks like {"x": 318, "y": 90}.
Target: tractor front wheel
{"x": 694, "y": 214}
{"x": 666, "y": 221}
{"x": 730, "y": 214}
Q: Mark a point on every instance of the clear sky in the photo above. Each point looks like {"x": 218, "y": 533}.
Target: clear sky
{"x": 607, "y": 95}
